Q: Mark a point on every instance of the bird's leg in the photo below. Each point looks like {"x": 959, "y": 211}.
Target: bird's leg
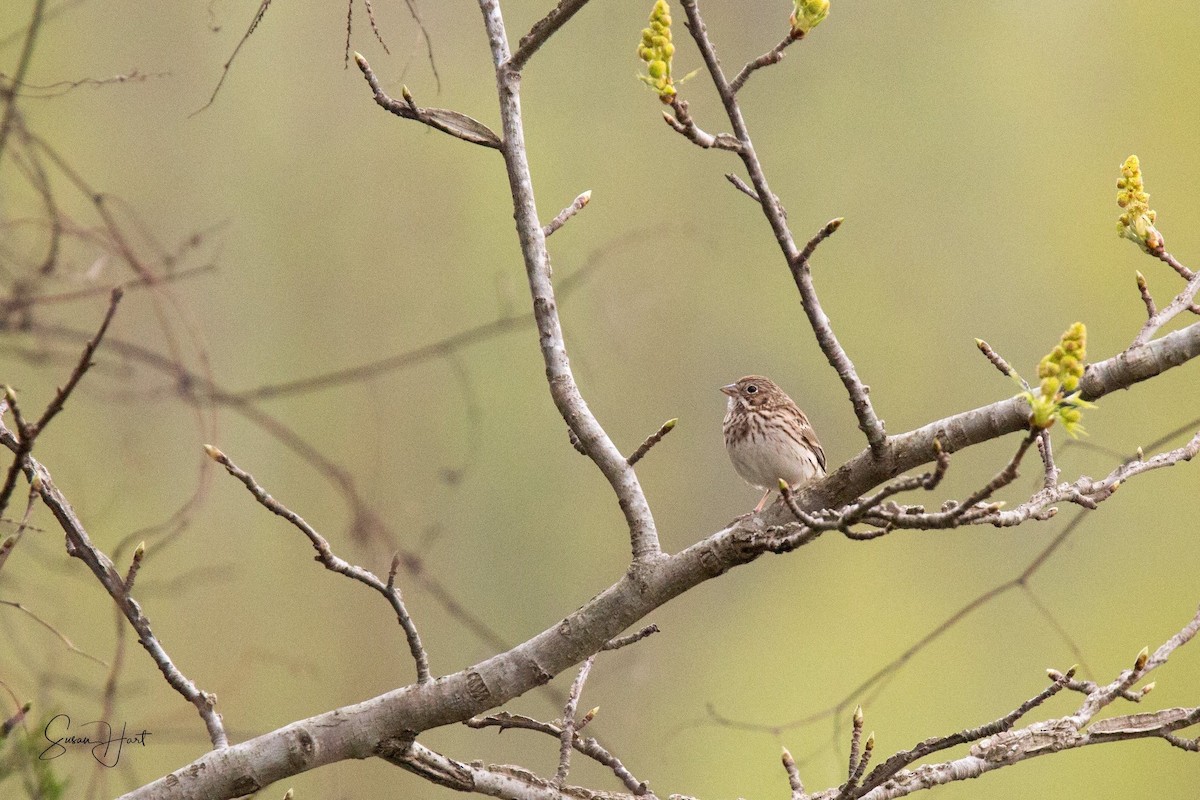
{"x": 762, "y": 502}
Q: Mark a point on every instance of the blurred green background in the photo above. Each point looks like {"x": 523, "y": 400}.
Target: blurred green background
{"x": 973, "y": 150}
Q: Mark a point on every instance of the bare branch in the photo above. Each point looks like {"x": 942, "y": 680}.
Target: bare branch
{"x": 567, "y": 737}
{"x": 85, "y": 362}
{"x": 997, "y": 360}
{"x": 20, "y": 452}
{"x": 563, "y": 388}
{"x": 871, "y": 426}
{"x": 900, "y": 760}
{"x": 258, "y": 16}
{"x": 1181, "y": 303}
{"x": 742, "y": 186}
{"x": 62, "y": 637}
{"x": 457, "y": 125}
{"x": 23, "y": 61}
{"x": 1144, "y": 291}
{"x": 633, "y": 638}
{"x": 797, "y": 785}
{"x": 332, "y": 562}
{"x": 79, "y": 545}
{"x": 651, "y": 440}
{"x": 1173, "y": 263}
{"x": 576, "y": 206}
{"x": 683, "y": 123}
{"x": 542, "y": 30}
{"x": 588, "y": 747}
{"x": 772, "y": 56}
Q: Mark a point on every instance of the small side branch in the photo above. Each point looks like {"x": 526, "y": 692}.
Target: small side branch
{"x": 567, "y": 736}
{"x": 868, "y": 422}
{"x": 1182, "y": 302}
{"x": 683, "y": 124}
{"x": 79, "y": 545}
{"x": 457, "y": 125}
{"x": 1144, "y": 291}
{"x": 772, "y": 56}
{"x": 85, "y": 363}
{"x": 27, "y": 432}
{"x": 871, "y": 426}
{"x": 633, "y": 638}
{"x": 588, "y": 747}
{"x": 652, "y": 440}
{"x": 332, "y": 562}
{"x": 542, "y": 30}
{"x": 742, "y": 186}
{"x": 996, "y": 359}
{"x": 576, "y": 206}
{"x": 900, "y": 760}
{"x": 793, "y": 773}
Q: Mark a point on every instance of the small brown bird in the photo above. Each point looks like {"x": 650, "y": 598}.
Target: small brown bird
{"x": 768, "y": 437}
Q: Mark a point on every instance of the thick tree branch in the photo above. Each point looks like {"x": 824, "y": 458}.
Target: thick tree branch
{"x": 909, "y": 450}
{"x": 353, "y": 731}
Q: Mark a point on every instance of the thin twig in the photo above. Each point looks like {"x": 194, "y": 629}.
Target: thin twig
{"x": 62, "y": 637}
{"x": 1173, "y": 263}
{"x": 85, "y": 362}
{"x": 567, "y": 737}
{"x": 1144, "y": 291}
{"x": 1182, "y": 302}
{"x": 20, "y": 452}
{"x": 772, "y": 56}
{"x": 633, "y": 638}
{"x": 28, "y": 432}
{"x": 683, "y": 123}
{"x": 588, "y": 747}
{"x": 574, "y": 208}
{"x": 900, "y": 760}
{"x": 135, "y": 566}
{"x": 997, "y": 360}
{"x": 870, "y": 424}
{"x": 651, "y": 440}
{"x": 79, "y": 545}
{"x": 793, "y": 773}
{"x": 23, "y": 61}
{"x": 332, "y": 562}
{"x": 1046, "y": 451}
{"x": 856, "y": 729}
{"x": 454, "y": 123}
{"x": 542, "y": 30}
{"x": 258, "y": 16}
{"x": 741, "y": 186}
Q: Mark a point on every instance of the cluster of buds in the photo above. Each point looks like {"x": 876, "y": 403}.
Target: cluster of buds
{"x": 1137, "y": 221}
{"x": 808, "y": 15}
{"x": 656, "y": 50}
{"x": 1060, "y": 372}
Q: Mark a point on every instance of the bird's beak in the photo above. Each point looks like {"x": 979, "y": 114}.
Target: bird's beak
{"x": 730, "y": 390}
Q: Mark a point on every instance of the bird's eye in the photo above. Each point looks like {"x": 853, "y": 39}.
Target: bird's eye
{"x": 752, "y": 389}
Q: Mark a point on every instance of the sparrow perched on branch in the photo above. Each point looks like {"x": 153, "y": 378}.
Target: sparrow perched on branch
{"x": 769, "y": 438}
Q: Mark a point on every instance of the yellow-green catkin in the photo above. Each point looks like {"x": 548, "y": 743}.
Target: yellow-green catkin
{"x": 1060, "y": 372}
{"x": 1136, "y": 222}
{"x": 808, "y": 15}
{"x": 656, "y": 50}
